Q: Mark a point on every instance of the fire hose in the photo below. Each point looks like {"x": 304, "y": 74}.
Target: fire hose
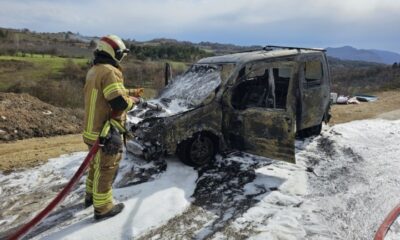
{"x": 153, "y": 106}
{"x": 60, "y": 196}
{"x": 389, "y": 220}
{"x": 78, "y": 174}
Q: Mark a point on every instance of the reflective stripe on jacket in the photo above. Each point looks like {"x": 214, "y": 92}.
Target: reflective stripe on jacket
{"x": 104, "y": 82}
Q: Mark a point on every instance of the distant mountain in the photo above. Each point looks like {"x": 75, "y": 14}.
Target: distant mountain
{"x": 69, "y": 44}
{"x": 368, "y": 55}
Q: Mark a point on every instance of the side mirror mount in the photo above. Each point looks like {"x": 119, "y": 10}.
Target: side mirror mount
{"x": 209, "y": 99}
{"x": 167, "y": 73}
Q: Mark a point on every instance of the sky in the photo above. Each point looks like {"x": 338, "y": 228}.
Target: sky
{"x": 367, "y": 24}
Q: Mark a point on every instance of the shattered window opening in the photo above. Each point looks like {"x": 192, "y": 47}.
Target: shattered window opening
{"x": 197, "y": 84}
{"x": 265, "y": 87}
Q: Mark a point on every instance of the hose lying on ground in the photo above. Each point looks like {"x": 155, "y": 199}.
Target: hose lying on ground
{"x": 60, "y": 196}
{"x": 389, "y": 220}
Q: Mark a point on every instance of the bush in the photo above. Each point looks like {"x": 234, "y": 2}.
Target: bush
{"x": 64, "y": 89}
{"x": 174, "y": 52}
{"x": 3, "y": 34}
{"x": 351, "y": 80}
{"x": 147, "y": 74}
{"x": 73, "y": 71}
{"x": 58, "y": 93}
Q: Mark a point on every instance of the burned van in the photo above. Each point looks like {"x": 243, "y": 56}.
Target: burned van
{"x": 256, "y": 102}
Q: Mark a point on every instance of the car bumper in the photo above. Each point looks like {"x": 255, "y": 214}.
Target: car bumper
{"x": 146, "y": 150}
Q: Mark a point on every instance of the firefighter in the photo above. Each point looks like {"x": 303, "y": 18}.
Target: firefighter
{"x": 106, "y": 104}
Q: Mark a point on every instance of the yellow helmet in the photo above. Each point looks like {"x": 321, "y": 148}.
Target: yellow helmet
{"x": 113, "y": 46}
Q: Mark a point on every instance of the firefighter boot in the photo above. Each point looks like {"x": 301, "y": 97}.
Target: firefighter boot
{"x": 114, "y": 211}
{"x": 88, "y": 200}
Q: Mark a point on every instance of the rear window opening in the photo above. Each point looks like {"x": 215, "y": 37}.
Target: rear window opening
{"x": 313, "y": 74}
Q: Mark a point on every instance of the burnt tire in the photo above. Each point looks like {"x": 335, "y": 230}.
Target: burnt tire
{"x": 198, "y": 150}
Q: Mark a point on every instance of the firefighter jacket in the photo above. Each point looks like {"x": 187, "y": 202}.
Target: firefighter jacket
{"x": 104, "y": 83}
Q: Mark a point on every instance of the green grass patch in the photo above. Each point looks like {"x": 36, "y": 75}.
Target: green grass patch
{"x": 37, "y": 67}
{"x": 46, "y": 61}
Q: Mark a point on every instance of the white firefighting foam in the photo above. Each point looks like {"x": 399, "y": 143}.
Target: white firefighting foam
{"x": 344, "y": 184}
{"x": 184, "y": 93}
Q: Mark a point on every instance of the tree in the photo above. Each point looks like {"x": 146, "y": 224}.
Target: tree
{"x": 174, "y": 52}
{"x": 72, "y": 71}
{"x": 92, "y": 44}
{"x": 3, "y": 34}
{"x": 395, "y": 65}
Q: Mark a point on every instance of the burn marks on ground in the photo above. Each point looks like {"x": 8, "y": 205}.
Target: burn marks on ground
{"x": 221, "y": 196}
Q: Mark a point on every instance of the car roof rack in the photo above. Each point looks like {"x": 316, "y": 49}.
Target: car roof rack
{"x": 251, "y": 50}
{"x": 272, "y": 47}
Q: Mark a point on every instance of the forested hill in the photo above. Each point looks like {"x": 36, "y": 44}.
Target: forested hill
{"x": 74, "y": 45}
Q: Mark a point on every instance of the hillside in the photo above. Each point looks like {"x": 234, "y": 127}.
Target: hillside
{"x": 64, "y": 44}
{"x": 32, "y": 62}
{"x": 76, "y": 45}
{"x": 367, "y": 55}
{"x": 352, "y": 77}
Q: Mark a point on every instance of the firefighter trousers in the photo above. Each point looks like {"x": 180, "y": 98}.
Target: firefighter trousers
{"x": 100, "y": 178}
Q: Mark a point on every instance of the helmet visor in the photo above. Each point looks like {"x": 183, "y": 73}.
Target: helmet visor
{"x": 121, "y": 53}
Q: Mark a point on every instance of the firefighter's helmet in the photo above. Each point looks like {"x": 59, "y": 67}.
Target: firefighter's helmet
{"x": 113, "y": 46}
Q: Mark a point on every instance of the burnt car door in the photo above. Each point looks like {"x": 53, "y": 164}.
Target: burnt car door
{"x": 259, "y": 110}
{"x": 314, "y": 90}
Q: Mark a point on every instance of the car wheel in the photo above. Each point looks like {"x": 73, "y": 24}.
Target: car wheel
{"x": 197, "y": 151}
{"x": 316, "y": 130}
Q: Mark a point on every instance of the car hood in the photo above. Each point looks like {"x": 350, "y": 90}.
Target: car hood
{"x": 157, "y": 108}
{"x": 186, "y": 92}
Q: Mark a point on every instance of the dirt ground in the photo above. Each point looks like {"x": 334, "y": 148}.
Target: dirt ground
{"x": 31, "y": 152}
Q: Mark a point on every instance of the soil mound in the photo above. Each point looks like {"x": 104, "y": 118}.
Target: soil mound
{"x": 23, "y": 116}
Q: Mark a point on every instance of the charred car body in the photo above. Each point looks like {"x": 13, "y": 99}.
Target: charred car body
{"x": 256, "y": 102}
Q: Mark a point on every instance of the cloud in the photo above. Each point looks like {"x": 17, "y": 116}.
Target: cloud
{"x": 243, "y": 22}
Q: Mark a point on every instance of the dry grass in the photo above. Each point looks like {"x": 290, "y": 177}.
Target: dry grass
{"x": 388, "y": 101}
{"x": 35, "y": 151}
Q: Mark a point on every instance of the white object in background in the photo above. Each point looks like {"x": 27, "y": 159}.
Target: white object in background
{"x": 334, "y": 97}
{"x": 342, "y": 100}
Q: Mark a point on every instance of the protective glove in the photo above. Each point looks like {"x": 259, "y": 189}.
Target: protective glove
{"x": 113, "y": 142}
{"x": 137, "y": 100}
{"x": 136, "y": 92}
